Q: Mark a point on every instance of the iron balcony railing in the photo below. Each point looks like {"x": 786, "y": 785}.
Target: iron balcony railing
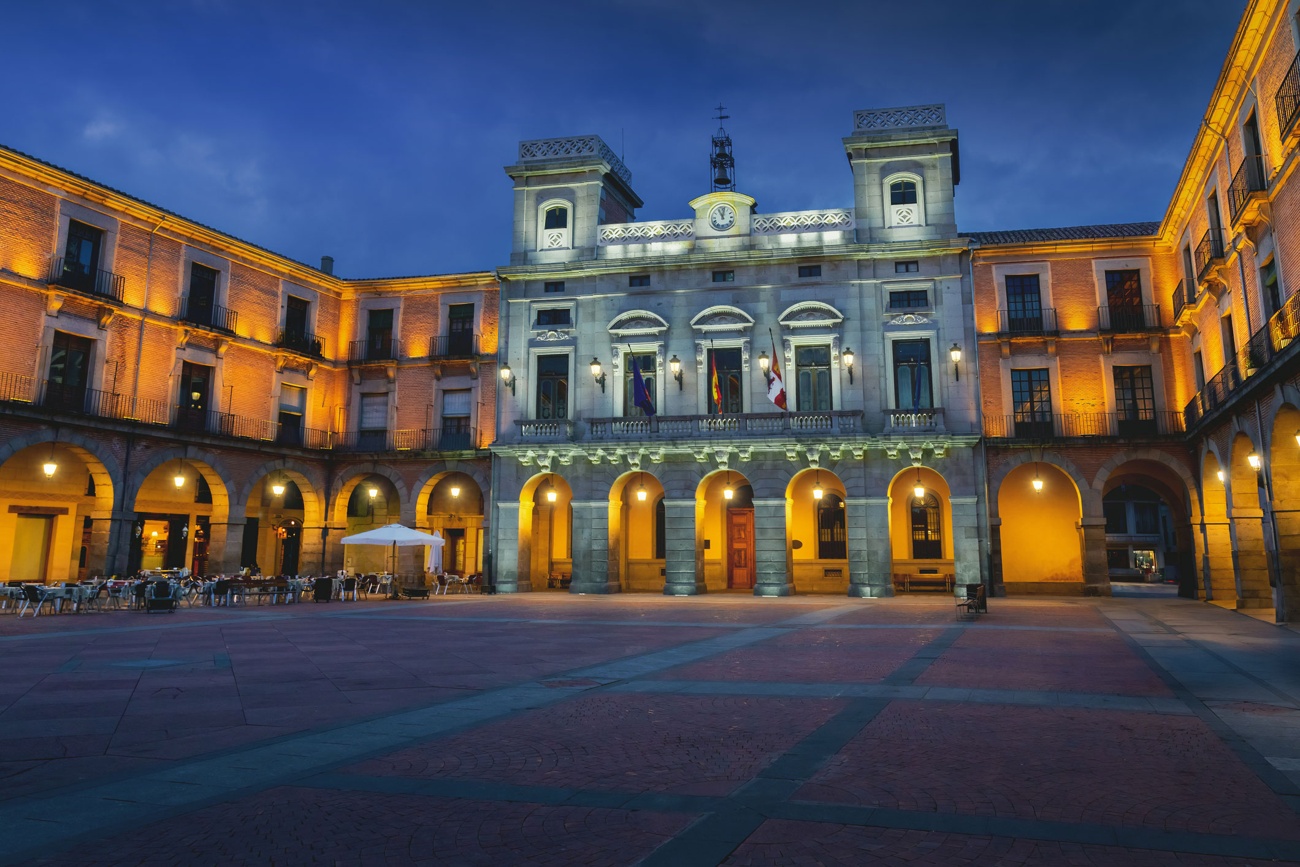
{"x": 1183, "y": 296}
{"x": 1209, "y": 252}
{"x": 1027, "y": 323}
{"x": 302, "y": 342}
{"x": 16, "y": 388}
{"x": 209, "y": 315}
{"x": 1135, "y": 423}
{"x": 374, "y": 348}
{"x": 70, "y": 274}
{"x": 1287, "y": 100}
{"x": 1248, "y": 180}
{"x": 1129, "y": 319}
{"x": 1213, "y": 394}
{"x": 193, "y": 420}
{"x": 454, "y": 346}
{"x": 451, "y": 438}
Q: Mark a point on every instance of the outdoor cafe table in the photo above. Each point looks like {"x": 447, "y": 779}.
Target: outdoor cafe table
{"x": 75, "y": 594}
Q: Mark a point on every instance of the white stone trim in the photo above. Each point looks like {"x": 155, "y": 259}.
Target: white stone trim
{"x": 722, "y": 317}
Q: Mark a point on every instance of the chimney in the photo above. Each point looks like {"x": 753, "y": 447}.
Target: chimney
{"x": 327, "y": 264}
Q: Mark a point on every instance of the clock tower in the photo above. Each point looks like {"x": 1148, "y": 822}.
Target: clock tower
{"x": 723, "y": 212}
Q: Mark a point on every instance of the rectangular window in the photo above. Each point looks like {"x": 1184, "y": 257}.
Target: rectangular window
{"x": 646, "y": 363}
{"x": 1124, "y": 300}
{"x": 1116, "y": 512}
{"x": 813, "y": 375}
{"x": 552, "y": 386}
{"x": 727, "y": 364}
{"x": 203, "y": 295}
{"x": 810, "y": 270}
{"x": 907, "y": 267}
{"x": 724, "y": 276}
{"x": 1268, "y": 281}
{"x": 1135, "y": 401}
{"x": 638, "y": 280}
{"x": 1024, "y": 304}
{"x": 460, "y": 329}
{"x": 555, "y": 316}
{"x": 297, "y": 315}
{"x": 1189, "y": 272}
{"x": 909, "y": 299}
{"x": 1031, "y": 398}
{"x": 912, "y": 375}
{"x": 293, "y": 406}
{"x": 553, "y": 286}
{"x": 832, "y": 536}
{"x": 1212, "y": 212}
{"x": 1198, "y": 369}
{"x": 457, "y": 407}
{"x": 195, "y": 392}
{"x": 1229, "y": 337}
{"x": 81, "y": 256}
{"x": 372, "y": 428}
{"x": 69, "y": 375}
{"x": 379, "y": 334}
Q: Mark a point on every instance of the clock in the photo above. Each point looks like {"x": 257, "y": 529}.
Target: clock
{"x": 722, "y": 217}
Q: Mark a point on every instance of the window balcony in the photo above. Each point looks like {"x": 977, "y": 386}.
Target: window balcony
{"x": 1209, "y": 255}
{"x": 748, "y": 424}
{"x": 69, "y": 274}
{"x": 906, "y": 420}
{"x": 450, "y": 438}
{"x": 223, "y": 424}
{"x": 301, "y": 342}
{"x": 1248, "y": 192}
{"x": 1183, "y": 302}
{"x": 1027, "y": 323}
{"x": 464, "y": 345}
{"x": 1287, "y": 100}
{"x": 375, "y": 350}
{"x": 212, "y": 316}
{"x": 1133, "y": 424}
{"x": 16, "y": 388}
{"x": 1129, "y": 319}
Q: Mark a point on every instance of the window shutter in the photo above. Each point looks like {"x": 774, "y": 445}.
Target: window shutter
{"x": 374, "y": 412}
{"x": 457, "y": 403}
{"x": 293, "y": 399}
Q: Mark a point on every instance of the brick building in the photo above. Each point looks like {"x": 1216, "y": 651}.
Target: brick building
{"x": 174, "y": 397}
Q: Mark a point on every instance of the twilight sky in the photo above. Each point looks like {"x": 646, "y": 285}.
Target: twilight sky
{"x": 376, "y": 130}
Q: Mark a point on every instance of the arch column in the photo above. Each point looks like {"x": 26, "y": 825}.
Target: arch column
{"x": 966, "y": 540}
{"x": 1096, "y": 571}
{"x": 225, "y": 543}
{"x": 1288, "y": 557}
{"x": 591, "y": 572}
{"x": 867, "y": 526}
{"x": 995, "y": 558}
{"x": 1251, "y": 558}
{"x": 681, "y": 575}
{"x": 771, "y": 554}
{"x": 1219, "y": 561}
{"x": 505, "y": 549}
{"x": 118, "y": 543}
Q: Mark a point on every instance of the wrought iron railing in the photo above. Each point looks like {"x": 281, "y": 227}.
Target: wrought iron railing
{"x": 1129, "y": 319}
{"x": 1248, "y": 180}
{"x": 1027, "y": 323}
{"x": 454, "y": 346}
{"x": 70, "y": 274}
{"x": 1208, "y": 252}
{"x": 1287, "y": 99}
{"x": 302, "y": 342}
{"x": 209, "y": 315}
{"x": 16, "y": 388}
{"x": 1135, "y": 423}
{"x": 1183, "y": 296}
{"x": 374, "y": 349}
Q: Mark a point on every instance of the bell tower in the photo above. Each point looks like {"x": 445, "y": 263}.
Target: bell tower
{"x": 722, "y": 164}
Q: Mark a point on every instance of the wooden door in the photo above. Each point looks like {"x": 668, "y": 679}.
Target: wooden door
{"x": 740, "y": 549}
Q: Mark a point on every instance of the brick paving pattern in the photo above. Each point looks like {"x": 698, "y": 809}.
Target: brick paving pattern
{"x": 553, "y": 729}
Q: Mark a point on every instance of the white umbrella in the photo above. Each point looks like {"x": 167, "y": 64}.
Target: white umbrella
{"x": 433, "y": 563}
{"x": 396, "y": 536}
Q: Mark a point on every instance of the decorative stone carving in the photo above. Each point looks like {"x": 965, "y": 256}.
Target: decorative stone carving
{"x": 722, "y": 318}
{"x": 645, "y": 233}
{"x": 572, "y": 146}
{"x": 54, "y": 303}
{"x": 745, "y": 454}
{"x": 105, "y": 316}
{"x": 637, "y": 322}
{"x": 903, "y": 117}
{"x": 910, "y": 319}
{"x": 810, "y": 314}
{"x": 792, "y": 222}
{"x": 551, "y": 336}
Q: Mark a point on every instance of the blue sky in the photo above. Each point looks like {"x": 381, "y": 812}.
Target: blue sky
{"x": 376, "y": 131}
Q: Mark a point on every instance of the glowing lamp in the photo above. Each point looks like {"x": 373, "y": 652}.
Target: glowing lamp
{"x": 847, "y": 355}
{"x": 179, "y": 480}
{"x": 817, "y": 492}
{"x": 552, "y": 496}
{"x": 641, "y": 494}
{"x": 455, "y": 490}
{"x": 919, "y": 492}
{"x": 508, "y": 377}
{"x": 278, "y": 489}
{"x": 597, "y": 373}
{"x": 373, "y": 492}
{"x": 1219, "y": 473}
{"x": 675, "y": 367}
{"x": 1297, "y": 437}
{"x": 1254, "y": 460}
{"x": 728, "y": 493}
{"x": 1038, "y": 485}
{"x": 764, "y": 362}
{"x": 955, "y": 355}
{"x": 50, "y": 468}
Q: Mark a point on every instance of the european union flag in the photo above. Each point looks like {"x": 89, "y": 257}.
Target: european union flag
{"x": 640, "y": 397}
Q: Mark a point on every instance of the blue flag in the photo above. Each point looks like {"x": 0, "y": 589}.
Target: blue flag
{"x": 640, "y": 397}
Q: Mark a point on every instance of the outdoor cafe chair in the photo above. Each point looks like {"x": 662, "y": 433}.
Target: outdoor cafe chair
{"x": 349, "y": 586}
{"x": 34, "y": 594}
{"x": 93, "y": 602}
{"x": 442, "y": 585}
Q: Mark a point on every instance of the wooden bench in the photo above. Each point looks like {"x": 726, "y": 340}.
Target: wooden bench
{"x": 905, "y": 582}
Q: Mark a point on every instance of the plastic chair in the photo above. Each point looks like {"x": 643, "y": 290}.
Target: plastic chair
{"x": 35, "y": 595}
{"x": 349, "y": 586}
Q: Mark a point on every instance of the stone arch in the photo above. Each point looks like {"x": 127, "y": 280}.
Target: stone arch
{"x": 816, "y": 522}
{"x": 1161, "y": 474}
{"x": 425, "y": 481}
{"x": 810, "y": 314}
{"x": 1284, "y": 475}
{"x": 152, "y": 501}
{"x": 346, "y": 480}
{"x": 210, "y": 465}
{"x": 545, "y": 533}
{"x": 637, "y": 549}
{"x": 1089, "y": 505}
{"x": 286, "y": 541}
{"x": 107, "y": 473}
{"x": 452, "y": 502}
{"x": 307, "y": 478}
{"x": 716, "y": 568}
{"x": 1245, "y": 498}
{"x": 1040, "y": 541}
{"x": 1188, "y": 490}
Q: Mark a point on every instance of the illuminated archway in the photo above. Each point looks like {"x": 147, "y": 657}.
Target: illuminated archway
{"x": 373, "y": 501}
{"x": 546, "y": 533}
{"x": 637, "y": 531}
{"x": 1216, "y": 532}
{"x": 1040, "y": 508}
{"x": 724, "y": 531}
{"x": 1284, "y": 466}
{"x": 1245, "y": 496}
{"x": 181, "y": 506}
{"x": 1148, "y": 508}
{"x": 817, "y": 532}
{"x": 920, "y": 527}
{"x": 453, "y": 508}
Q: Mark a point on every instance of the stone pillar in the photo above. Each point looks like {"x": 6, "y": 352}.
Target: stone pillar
{"x": 965, "y": 542}
{"x": 310, "y": 548}
{"x": 591, "y": 573}
{"x": 118, "y": 549}
{"x": 681, "y": 577}
{"x": 995, "y": 558}
{"x": 505, "y": 549}
{"x": 771, "y": 550}
{"x": 225, "y": 542}
{"x": 1096, "y": 571}
{"x": 874, "y": 579}
{"x": 1219, "y": 562}
{"x": 1288, "y": 555}
{"x": 1252, "y": 559}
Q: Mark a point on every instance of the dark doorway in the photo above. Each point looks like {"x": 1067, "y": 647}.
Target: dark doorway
{"x": 740, "y": 549}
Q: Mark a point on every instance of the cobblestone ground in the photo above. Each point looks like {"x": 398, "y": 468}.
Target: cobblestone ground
{"x": 554, "y": 729}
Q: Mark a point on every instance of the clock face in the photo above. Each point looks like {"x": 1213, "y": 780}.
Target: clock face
{"x": 722, "y": 217}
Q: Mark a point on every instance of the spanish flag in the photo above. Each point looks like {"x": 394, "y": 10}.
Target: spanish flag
{"x": 715, "y": 391}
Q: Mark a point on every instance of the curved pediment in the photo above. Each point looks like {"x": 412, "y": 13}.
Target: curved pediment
{"x": 811, "y": 314}
{"x": 637, "y": 322}
{"x": 722, "y": 317}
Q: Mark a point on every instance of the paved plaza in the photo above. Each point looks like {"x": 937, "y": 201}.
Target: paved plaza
{"x": 558, "y": 729}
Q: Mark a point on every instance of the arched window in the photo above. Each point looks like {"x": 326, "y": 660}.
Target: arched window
{"x": 555, "y": 228}
{"x": 831, "y": 535}
{"x": 905, "y": 205}
{"x": 927, "y": 531}
{"x": 558, "y": 217}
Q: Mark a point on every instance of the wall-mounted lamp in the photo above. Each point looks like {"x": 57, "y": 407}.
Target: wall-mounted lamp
{"x": 919, "y": 489}
{"x": 765, "y": 364}
{"x": 675, "y": 366}
{"x": 817, "y": 486}
{"x": 640, "y": 491}
{"x": 508, "y": 377}
{"x": 847, "y": 355}
{"x": 598, "y": 374}
{"x": 373, "y": 492}
{"x": 1297, "y": 437}
{"x": 1255, "y": 461}
{"x": 955, "y": 355}
{"x": 455, "y": 490}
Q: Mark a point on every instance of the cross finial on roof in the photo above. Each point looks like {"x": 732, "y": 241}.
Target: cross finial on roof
{"x": 720, "y": 116}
